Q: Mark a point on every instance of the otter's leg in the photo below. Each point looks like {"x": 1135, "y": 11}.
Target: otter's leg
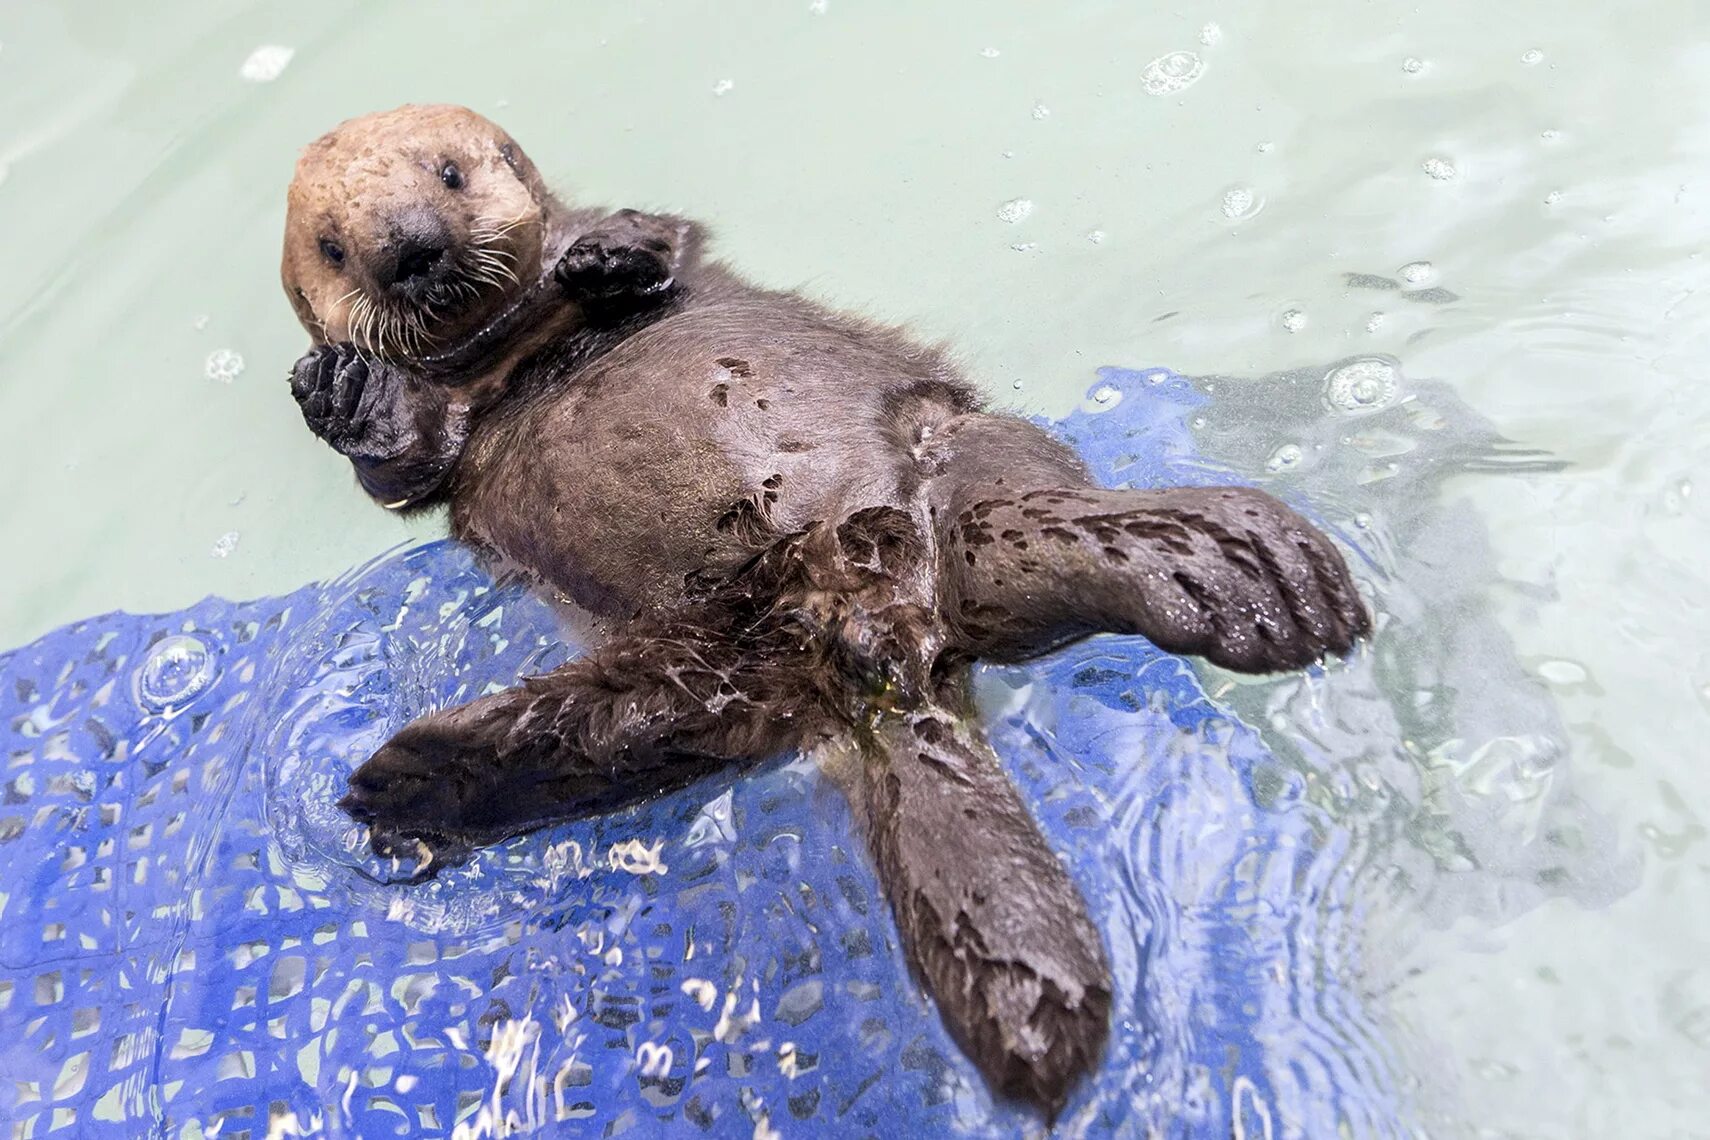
{"x": 403, "y": 436}
{"x": 988, "y": 915}
{"x": 649, "y": 711}
{"x": 1030, "y": 562}
{"x": 626, "y": 264}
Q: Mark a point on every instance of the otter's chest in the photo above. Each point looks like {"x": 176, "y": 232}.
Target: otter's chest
{"x": 635, "y": 482}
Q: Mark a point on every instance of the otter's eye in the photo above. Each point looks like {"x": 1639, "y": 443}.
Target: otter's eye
{"x": 451, "y": 176}
{"x": 332, "y": 251}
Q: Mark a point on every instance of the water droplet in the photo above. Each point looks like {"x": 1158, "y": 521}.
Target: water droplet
{"x": 1265, "y": 147}
{"x": 1009, "y": 154}
{"x": 990, "y": 53}
{"x": 1552, "y": 197}
{"x": 1171, "y": 73}
{"x": 1199, "y": 421}
{"x": 178, "y": 669}
{"x": 1285, "y": 458}
{"x": 223, "y": 365}
{"x": 1562, "y": 672}
{"x": 1041, "y": 111}
{"x": 1104, "y": 393}
{"x": 1363, "y": 521}
{"x": 723, "y": 86}
{"x": 1362, "y": 386}
{"x": 1550, "y": 134}
{"x": 1531, "y": 57}
{"x": 1240, "y": 202}
{"x": 224, "y": 545}
{"x": 1015, "y": 210}
{"x": 1210, "y": 34}
{"x": 1293, "y": 320}
{"x": 1413, "y": 65}
{"x": 1024, "y": 246}
{"x": 1095, "y": 236}
{"x": 1374, "y": 322}
{"x": 266, "y": 63}
{"x": 1440, "y": 168}
{"x": 1159, "y": 378}
{"x": 1016, "y": 385}
{"x": 1417, "y": 272}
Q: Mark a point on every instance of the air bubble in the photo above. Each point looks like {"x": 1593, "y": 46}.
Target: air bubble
{"x": 1413, "y": 65}
{"x": 224, "y": 545}
{"x": 723, "y": 86}
{"x": 1417, "y": 272}
{"x": 1374, "y": 322}
{"x": 1015, "y": 210}
{"x": 266, "y": 63}
{"x": 1041, "y": 111}
{"x": 1095, "y": 236}
{"x": 223, "y": 365}
{"x": 1240, "y": 202}
{"x": 1440, "y": 168}
{"x": 990, "y": 53}
{"x": 1285, "y": 458}
{"x": 1531, "y": 57}
{"x": 1210, "y": 34}
{"x": 178, "y": 670}
{"x": 1550, "y": 135}
{"x": 1562, "y": 672}
{"x": 1104, "y": 394}
{"x": 1293, "y": 320}
{"x": 1171, "y": 73}
{"x": 1362, "y": 386}
{"x": 1265, "y": 147}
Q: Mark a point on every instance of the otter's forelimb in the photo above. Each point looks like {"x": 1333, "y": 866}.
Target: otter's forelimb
{"x": 989, "y": 917}
{"x": 402, "y": 436}
{"x": 626, "y": 263}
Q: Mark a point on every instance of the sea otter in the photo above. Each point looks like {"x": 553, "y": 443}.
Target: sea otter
{"x": 796, "y": 528}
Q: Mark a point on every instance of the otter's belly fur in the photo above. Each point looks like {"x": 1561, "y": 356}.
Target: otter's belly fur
{"x": 696, "y": 443}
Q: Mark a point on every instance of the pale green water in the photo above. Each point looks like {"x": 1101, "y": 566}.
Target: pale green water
{"x": 1550, "y": 161}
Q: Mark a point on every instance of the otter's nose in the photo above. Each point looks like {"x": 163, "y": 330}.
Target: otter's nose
{"x": 419, "y": 242}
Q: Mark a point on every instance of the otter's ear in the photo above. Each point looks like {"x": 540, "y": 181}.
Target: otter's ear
{"x": 518, "y": 161}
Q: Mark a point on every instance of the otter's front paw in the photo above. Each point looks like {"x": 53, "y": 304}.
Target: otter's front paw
{"x": 355, "y": 404}
{"x": 613, "y": 269}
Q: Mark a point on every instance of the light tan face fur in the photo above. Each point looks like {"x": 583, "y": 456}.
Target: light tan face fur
{"x": 407, "y": 229}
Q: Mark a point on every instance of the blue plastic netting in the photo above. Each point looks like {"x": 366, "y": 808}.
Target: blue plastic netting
{"x": 192, "y": 943}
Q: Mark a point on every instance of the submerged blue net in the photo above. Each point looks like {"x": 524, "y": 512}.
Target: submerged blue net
{"x": 194, "y": 944}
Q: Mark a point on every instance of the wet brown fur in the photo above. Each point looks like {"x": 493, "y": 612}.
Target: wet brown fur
{"x": 799, "y": 528}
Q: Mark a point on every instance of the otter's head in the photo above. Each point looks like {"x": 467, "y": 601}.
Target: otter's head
{"x": 409, "y": 229}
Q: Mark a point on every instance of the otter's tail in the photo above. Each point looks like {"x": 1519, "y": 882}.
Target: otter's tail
{"x": 989, "y": 916}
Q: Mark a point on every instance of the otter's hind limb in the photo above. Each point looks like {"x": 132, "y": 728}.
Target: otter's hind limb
{"x": 1226, "y": 573}
{"x": 988, "y": 915}
{"x": 649, "y": 711}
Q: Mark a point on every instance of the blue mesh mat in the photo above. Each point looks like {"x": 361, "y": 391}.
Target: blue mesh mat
{"x": 193, "y": 943}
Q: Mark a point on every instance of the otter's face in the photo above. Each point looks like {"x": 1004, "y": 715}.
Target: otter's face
{"x": 409, "y": 229}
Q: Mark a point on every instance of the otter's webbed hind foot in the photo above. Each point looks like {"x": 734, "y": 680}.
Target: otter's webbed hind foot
{"x": 645, "y": 713}
{"x": 1225, "y": 573}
